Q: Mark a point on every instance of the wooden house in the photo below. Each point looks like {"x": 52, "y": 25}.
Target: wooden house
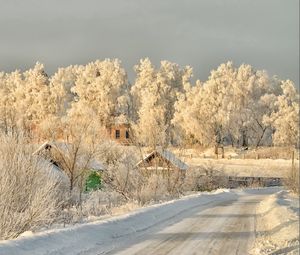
{"x": 120, "y": 133}
{"x": 162, "y": 161}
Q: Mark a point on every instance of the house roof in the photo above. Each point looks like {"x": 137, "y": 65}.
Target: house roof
{"x": 167, "y": 155}
{"x": 51, "y": 168}
{"x": 65, "y": 148}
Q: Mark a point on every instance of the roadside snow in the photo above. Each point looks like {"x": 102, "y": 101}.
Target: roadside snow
{"x": 105, "y": 235}
{"x": 277, "y": 226}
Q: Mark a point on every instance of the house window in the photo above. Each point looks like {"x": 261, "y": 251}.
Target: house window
{"x": 127, "y": 134}
{"x": 117, "y": 134}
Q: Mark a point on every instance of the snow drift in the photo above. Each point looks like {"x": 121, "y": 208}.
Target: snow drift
{"x": 277, "y": 226}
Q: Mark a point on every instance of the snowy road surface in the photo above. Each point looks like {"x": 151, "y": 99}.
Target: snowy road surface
{"x": 219, "y": 223}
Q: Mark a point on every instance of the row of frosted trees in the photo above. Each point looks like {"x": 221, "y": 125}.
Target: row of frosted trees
{"x": 236, "y": 105}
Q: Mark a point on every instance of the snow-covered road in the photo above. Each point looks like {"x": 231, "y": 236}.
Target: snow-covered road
{"x": 218, "y": 223}
{"x": 226, "y": 227}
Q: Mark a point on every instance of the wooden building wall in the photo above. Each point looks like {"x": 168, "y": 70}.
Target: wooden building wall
{"x": 121, "y": 133}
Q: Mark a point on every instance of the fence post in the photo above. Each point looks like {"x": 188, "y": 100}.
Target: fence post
{"x": 293, "y": 165}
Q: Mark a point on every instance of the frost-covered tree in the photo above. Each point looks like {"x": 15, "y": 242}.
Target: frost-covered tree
{"x": 101, "y": 87}
{"x": 250, "y": 98}
{"x": 215, "y": 99}
{"x": 60, "y": 98}
{"x": 32, "y": 96}
{"x": 61, "y": 84}
{"x": 285, "y": 120}
{"x": 230, "y": 106}
{"x": 8, "y": 84}
{"x": 154, "y": 94}
{"x": 201, "y": 112}
{"x": 187, "y": 117}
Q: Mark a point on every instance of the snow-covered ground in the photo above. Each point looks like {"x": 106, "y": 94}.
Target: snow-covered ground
{"x": 234, "y": 164}
{"x": 204, "y": 223}
{"x": 246, "y": 167}
{"x": 277, "y": 225}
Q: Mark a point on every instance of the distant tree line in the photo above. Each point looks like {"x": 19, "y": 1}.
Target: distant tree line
{"x": 240, "y": 106}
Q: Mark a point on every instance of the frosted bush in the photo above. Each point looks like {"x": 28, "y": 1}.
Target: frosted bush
{"x": 155, "y": 189}
{"x": 30, "y": 193}
{"x": 93, "y": 204}
{"x": 100, "y": 203}
{"x": 204, "y": 178}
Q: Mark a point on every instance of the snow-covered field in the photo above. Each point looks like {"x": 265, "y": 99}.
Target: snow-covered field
{"x": 222, "y": 220}
{"x": 246, "y": 167}
{"x": 234, "y": 163}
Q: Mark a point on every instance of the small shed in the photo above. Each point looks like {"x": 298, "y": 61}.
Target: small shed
{"x": 162, "y": 160}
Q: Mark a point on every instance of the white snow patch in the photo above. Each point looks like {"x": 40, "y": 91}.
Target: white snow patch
{"x": 26, "y": 233}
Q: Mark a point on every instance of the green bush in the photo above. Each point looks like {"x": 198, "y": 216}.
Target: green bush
{"x": 93, "y": 181}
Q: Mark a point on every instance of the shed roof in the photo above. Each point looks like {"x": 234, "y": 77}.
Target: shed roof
{"x": 167, "y": 155}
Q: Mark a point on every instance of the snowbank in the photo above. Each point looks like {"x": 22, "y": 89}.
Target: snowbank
{"x": 277, "y": 225}
{"x": 106, "y": 235}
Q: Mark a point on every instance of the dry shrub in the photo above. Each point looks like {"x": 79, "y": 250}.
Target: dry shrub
{"x": 269, "y": 153}
{"x": 30, "y": 193}
{"x": 121, "y": 174}
{"x": 101, "y": 202}
{"x": 154, "y": 189}
{"x": 204, "y": 178}
{"x": 293, "y": 180}
{"x": 94, "y": 204}
{"x": 160, "y": 186}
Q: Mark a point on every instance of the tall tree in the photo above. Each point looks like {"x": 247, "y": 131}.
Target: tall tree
{"x": 100, "y": 87}
{"x": 250, "y": 97}
{"x": 8, "y": 84}
{"x": 285, "y": 119}
{"x": 32, "y": 98}
{"x": 154, "y": 94}
{"x": 231, "y": 105}
{"x": 61, "y": 84}
{"x": 201, "y": 113}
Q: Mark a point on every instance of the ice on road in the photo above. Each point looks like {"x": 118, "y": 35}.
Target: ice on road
{"x": 220, "y": 223}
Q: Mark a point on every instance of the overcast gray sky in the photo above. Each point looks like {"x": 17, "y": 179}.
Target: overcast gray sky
{"x": 200, "y": 33}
